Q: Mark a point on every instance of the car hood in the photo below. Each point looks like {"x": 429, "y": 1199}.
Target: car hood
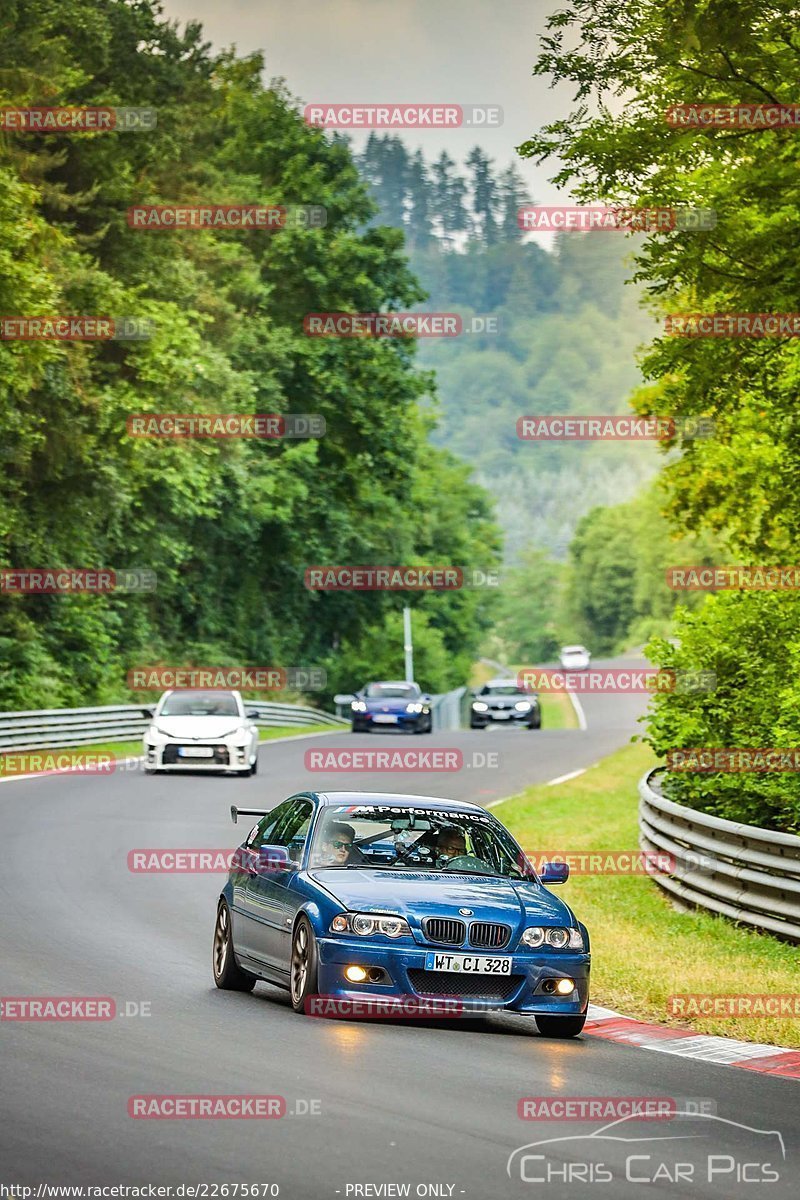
{"x": 415, "y": 895}
{"x": 503, "y": 701}
{"x": 197, "y": 729}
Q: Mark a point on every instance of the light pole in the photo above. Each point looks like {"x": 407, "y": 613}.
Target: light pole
{"x": 408, "y": 645}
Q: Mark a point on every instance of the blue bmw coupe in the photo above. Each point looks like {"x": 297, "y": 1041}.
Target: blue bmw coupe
{"x": 356, "y": 895}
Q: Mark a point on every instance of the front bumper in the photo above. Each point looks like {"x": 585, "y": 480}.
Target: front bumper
{"x": 506, "y": 717}
{"x": 228, "y": 756}
{"x": 404, "y": 966}
{"x": 364, "y": 722}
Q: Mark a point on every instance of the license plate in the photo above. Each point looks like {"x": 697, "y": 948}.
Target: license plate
{"x": 470, "y": 964}
{"x": 380, "y": 719}
{"x": 501, "y": 716}
{"x": 195, "y": 751}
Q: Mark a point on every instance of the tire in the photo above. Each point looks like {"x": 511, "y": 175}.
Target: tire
{"x": 228, "y": 975}
{"x": 560, "y": 1027}
{"x": 303, "y": 981}
{"x": 537, "y": 724}
{"x": 254, "y": 768}
{"x": 472, "y": 725}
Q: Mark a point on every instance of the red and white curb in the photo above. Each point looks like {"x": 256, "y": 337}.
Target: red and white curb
{"x": 727, "y": 1052}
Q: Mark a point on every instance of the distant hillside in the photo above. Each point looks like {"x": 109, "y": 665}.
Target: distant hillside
{"x": 569, "y": 328}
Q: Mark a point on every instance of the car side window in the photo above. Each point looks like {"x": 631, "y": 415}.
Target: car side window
{"x": 264, "y": 832}
{"x": 292, "y": 830}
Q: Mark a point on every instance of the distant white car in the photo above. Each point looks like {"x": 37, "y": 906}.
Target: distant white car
{"x": 195, "y": 730}
{"x": 574, "y": 658}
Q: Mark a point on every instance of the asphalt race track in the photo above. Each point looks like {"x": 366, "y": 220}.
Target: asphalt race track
{"x": 369, "y": 1103}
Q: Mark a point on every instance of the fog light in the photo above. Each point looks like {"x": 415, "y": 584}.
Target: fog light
{"x": 564, "y": 987}
{"x": 355, "y": 974}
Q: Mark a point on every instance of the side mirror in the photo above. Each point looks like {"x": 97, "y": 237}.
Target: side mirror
{"x": 554, "y": 872}
{"x": 343, "y": 698}
{"x": 251, "y": 714}
{"x": 149, "y": 712}
{"x": 275, "y": 858}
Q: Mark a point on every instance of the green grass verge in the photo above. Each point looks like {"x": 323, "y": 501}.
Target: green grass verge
{"x": 557, "y": 711}
{"x": 644, "y": 949}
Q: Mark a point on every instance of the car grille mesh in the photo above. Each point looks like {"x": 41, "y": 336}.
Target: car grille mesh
{"x": 170, "y": 757}
{"x": 444, "y": 931}
{"x": 453, "y": 983}
{"x": 489, "y": 934}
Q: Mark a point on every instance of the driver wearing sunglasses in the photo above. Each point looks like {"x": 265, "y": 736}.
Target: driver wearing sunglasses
{"x": 336, "y": 845}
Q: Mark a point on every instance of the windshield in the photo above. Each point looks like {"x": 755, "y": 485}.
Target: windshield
{"x": 416, "y": 839}
{"x": 574, "y": 650}
{"x": 200, "y": 704}
{"x": 392, "y": 691}
{"x": 502, "y": 689}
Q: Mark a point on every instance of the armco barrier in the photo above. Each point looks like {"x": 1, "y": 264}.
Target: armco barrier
{"x": 123, "y": 723}
{"x": 740, "y": 871}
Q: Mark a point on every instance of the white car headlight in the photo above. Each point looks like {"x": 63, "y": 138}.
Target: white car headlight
{"x": 358, "y": 706}
{"x": 367, "y": 924}
{"x": 415, "y": 708}
{"x": 479, "y": 706}
{"x": 522, "y": 705}
{"x": 556, "y": 936}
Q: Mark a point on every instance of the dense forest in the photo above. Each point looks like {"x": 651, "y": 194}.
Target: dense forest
{"x": 228, "y": 527}
{"x": 739, "y": 487}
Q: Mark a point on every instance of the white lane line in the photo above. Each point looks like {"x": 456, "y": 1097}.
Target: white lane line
{"x": 579, "y": 713}
{"x": 564, "y": 778}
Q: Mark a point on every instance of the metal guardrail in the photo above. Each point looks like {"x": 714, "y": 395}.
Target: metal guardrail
{"x": 740, "y": 871}
{"x": 123, "y": 723}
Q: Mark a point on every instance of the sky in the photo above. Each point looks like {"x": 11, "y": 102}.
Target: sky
{"x": 407, "y": 51}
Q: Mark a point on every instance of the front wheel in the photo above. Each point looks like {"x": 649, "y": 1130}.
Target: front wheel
{"x": 560, "y": 1027}
{"x": 228, "y": 975}
{"x": 303, "y": 968}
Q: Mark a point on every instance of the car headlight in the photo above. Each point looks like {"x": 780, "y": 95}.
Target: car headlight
{"x": 367, "y": 924}
{"x": 556, "y": 936}
{"x": 479, "y": 706}
{"x": 415, "y": 708}
{"x": 358, "y": 706}
{"x": 522, "y": 705}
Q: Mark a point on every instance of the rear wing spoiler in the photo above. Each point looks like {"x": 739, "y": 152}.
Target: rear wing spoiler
{"x": 246, "y": 812}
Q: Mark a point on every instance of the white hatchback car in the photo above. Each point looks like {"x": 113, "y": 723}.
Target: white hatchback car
{"x": 574, "y": 658}
{"x": 195, "y": 730}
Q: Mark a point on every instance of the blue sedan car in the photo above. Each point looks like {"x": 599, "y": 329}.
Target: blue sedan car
{"x": 396, "y": 705}
{"x": 354, "y": 895}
